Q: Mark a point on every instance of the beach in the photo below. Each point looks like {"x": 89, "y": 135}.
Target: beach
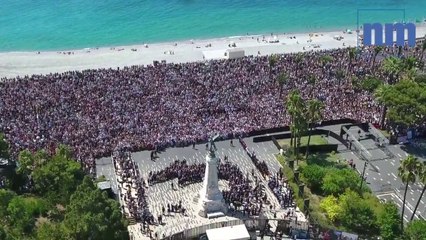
{"x": 14, "y": 64}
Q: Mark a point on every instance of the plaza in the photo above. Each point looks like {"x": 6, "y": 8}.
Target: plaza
{"x": 191, "y": 224}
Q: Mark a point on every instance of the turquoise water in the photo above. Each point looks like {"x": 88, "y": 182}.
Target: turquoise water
{"x": 74, "y": 24}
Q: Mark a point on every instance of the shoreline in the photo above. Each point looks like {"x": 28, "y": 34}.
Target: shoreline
{"x": 21, "y": 63}
{"x": 280, "y": 32}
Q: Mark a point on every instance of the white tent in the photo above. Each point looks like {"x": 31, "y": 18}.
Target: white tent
{"x": 234, "y": 53}
{"x": 238, "y": 232}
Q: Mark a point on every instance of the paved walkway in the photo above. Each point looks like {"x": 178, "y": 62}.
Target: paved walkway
{"x": 161, "y": 194}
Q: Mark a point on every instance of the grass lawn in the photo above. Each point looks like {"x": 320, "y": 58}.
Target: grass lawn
{"x": 327, "y": 160}
{"x": 315, "y": 140}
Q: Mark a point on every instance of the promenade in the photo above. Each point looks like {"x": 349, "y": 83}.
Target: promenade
{"x": 161, "y": 194}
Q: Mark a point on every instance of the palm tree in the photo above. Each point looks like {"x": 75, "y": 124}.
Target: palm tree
{"x": 273, "y": 59}
{"x": 352, "y": 53}
{"x": 409, "y": 64}
{"x": 295, "y": 109}
{"x": 407, "y": 172}
{"x": 301, "y": 126}
{"x": 340, "y": 74}
{"x": 299, "y": 59}
{"x": 379, "y": 95}
{"x": 392, "y": 66}
{"x": 312, "y": 79}
{"x": 422, "y": 177}
{"x": 410, "y": 74}
{"x": 313, "y": 115}
{"x": 282, "y": 80}
{"x": 377, "y": 50}
{"x": 326, "y": 59}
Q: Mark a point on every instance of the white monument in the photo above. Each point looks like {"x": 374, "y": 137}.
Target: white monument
{"x": 211, "y": 200}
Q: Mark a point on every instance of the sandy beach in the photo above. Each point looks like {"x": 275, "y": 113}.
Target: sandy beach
{"x": 14, "y": 64}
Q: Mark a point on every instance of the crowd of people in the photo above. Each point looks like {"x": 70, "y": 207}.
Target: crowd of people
{"x": 131, "y": 187}
{"x": 186, "y": 174}
{"x": 242, "y": 193}
{"x": 169, "y": 104}
{"x": 281, "y": 190}
{"x": 260, "y": 165}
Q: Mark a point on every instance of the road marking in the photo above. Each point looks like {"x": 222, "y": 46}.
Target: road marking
{"x": 374, "y": 178}
{"x": 392, "y": 164}
{"x": 381, "y": 179}
{"x": 399, "y": 155}
{"x": 400, "y": 200}
{"x": 388, "y": 174}
{"x": 394, "y": 175}
{"x": 422, "y": 202}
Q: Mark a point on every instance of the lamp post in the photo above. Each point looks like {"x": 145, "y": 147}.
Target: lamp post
{"x": 362, "y": 178}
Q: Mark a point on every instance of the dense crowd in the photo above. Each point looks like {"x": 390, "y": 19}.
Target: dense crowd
{"x": 175, "y": 104}
{"x": 186, "y": 174}
{"x": 131, "y": 187}
{"x": 242, "y": 194}
{"x": 281, "y": 190}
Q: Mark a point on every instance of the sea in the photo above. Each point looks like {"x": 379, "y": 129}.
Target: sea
{"x": 29, "y": 25}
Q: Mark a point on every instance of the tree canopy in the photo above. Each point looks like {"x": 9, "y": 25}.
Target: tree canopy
{"x": 389, "y": 222}
{"x": 57, "y": 178}
{"x": 337, "y": 180}
{"x": 54, "y": 177}
{"x": 59, "y": 204}
{"x": 415, "y": 230}
{"x": 406, "y": 101}
{"x": 92, "y": 215}
{"x": 356, "y": 214}
{"x": 370, "y": 84}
